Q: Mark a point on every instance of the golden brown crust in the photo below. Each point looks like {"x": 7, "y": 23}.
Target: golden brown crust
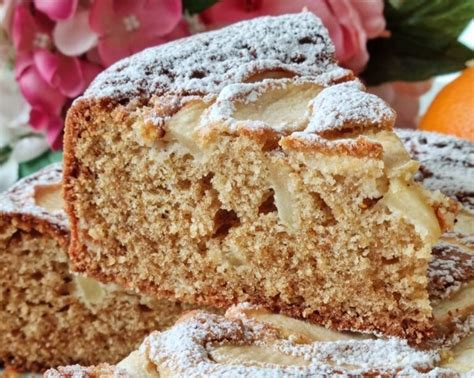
{"x": 359, "y": 147}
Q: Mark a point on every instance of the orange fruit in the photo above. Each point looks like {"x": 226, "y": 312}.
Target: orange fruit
{"x": 452, "y": 110}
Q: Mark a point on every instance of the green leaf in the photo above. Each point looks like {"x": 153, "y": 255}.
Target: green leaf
{"x": 437, "y": 21}
{"x": 423, "y": 41}
{"x": 5, "y": 154}
{"x": 401, "y": 58}
{"x": 47, "y": 158}
{"x": 197, "y": 6}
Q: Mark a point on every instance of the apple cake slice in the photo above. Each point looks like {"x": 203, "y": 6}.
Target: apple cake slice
{"x": 251, "y": 342}
{"x": 244, "y": 165}
{"x": 48, "y": 316}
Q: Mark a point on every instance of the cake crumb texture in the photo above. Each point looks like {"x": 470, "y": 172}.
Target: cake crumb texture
{"x": 45, "y": 320}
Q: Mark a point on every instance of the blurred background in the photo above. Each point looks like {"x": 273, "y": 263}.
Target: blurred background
{"x": 416, "y": 54}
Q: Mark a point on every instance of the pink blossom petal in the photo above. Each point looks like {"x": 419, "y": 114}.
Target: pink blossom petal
{"x": 54, "y": 133}
{"x": 102, "y": 17}
{"x": 47, "y": 64}
{"x": 93, "y": 56}
{"x": 124, "y": 8}
{"x": 169, "y": 13}
{"x": 371, "y": 15}
{"x": 61, "y": 72}
{"x": 116, "y": 47}
{"x": 22, "y": 62}
{"x": 70, "y": 79}
{"x": 126, "y": 26}
{"x": 89, "y": 71}
{"x": 180, "y": 31}
{"x": 39, "y": 93}
{"x": 38, "y": 119}
{"x": 74, "y": 36}
{"x": 111, "y": 50}
{"x": 52, "y": 125}
{"x": 57, "y": 9}
{"x": 26, "y": 28}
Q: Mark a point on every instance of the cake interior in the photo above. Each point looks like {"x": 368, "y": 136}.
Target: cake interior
{"x": 50, "y": 317}
{"x": 214, "y": 216}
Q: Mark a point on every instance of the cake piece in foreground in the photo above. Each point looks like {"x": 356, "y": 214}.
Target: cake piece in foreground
{"x": 245, "y": 165}
{"x": 48, "y": 316}
{"x": 251, "y": 342}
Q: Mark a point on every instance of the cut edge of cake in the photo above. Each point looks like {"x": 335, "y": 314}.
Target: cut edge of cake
{"x": 50, "y": 316}
{"x": 185, "y": 112}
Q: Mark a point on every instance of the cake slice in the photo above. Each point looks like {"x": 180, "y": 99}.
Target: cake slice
{"x": 48, "y": 316}
{"x": 446, "y": 164}
{"x": 244, "y": 165}
{"x": 251, "y": 342}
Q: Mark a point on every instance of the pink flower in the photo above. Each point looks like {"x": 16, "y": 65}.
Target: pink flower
{"x": 46, "y": 102}
{"x": 350, "y": 22}
{"x": 46, "y": 78}
{"x": 57, "y": 9}
{"x": 74, "y": 36}
{"x": 128, "y": 26}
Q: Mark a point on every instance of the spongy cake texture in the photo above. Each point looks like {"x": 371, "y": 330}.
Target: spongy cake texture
{"x": 451, "y": 278}
{"x": 250, "y": 180}
{"x": 48, "y": 316}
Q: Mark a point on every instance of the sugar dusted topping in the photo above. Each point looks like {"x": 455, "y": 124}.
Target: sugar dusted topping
{"x": 77, "y": 371}
{"x": 224, "y": 107}
{"x": 447, "y": 163}
{"x": 314, "y": 109}
{"x": 233, "y": 63}
{"x": 20, "y": 198}
{"x": 205, "y": 63}
{"x": 347, "y": 107}
{"x": 451, "y": 266}
{"x": 184, "y": 350}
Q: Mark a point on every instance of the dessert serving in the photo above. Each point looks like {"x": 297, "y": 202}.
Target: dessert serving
{"x": 251, "y": 342}
{"x": 49, "y": 316}
{"x": 245, "y": 165}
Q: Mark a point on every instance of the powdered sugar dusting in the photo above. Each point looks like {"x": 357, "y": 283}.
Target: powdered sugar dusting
{"x": 450, "y": 267}
{"x": 184, "y": 350}
{"x": 447, "y": 163}
{"x": 348, "y": 106}
{"x": 19, "y": 199}
{"x": 222, "y": 110}
{"x": 205, "y": 63}
{"x": 77, "y": 371}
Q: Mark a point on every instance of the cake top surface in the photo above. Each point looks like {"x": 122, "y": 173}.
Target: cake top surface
{"x": 447, "y": 163}
{"x": 204, "y": 63}
{"x": 197, "y": 341}
{"x": 452, "y": 265}
{"x": 36, "y": 196}
{"x": 319, "y": 106}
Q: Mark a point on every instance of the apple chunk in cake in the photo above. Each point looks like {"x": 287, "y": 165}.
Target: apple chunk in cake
{"x": 285, "y": 188}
